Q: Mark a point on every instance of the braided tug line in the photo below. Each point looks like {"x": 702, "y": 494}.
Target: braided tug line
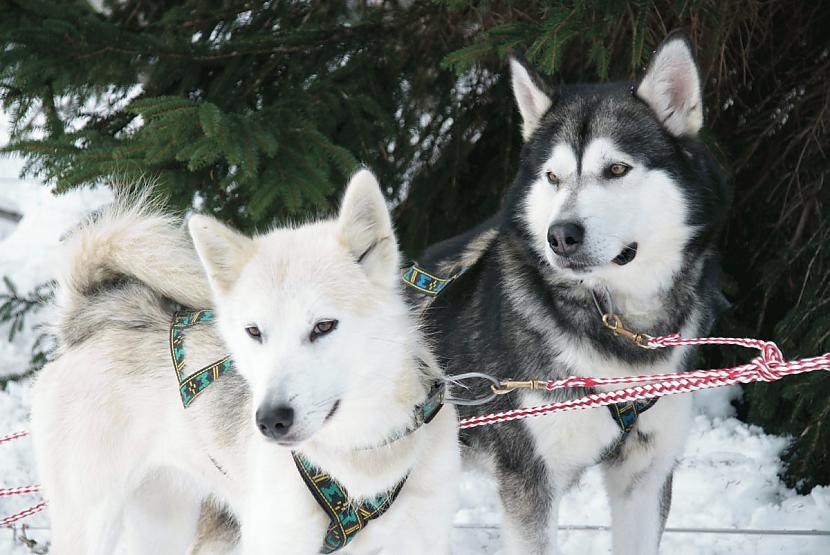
{"x": 19, "y": 490}
{"x": 12, "y": 437}
{"x": 768, "y": 367}
{"x": 9, "y": 520}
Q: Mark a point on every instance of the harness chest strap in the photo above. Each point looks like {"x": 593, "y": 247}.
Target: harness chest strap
{"x": 625, "y": 415}
{"x": 346, "y": 516}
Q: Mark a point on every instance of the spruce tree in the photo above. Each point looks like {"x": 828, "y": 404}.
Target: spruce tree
{"x": 258, "y": 111}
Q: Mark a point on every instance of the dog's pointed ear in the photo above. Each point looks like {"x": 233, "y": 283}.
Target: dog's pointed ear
{"x": 364, "y": 228}
{"x": 222, "y": 250}
{"x": 532, "y": 95}
{"x": 671, "y": 87}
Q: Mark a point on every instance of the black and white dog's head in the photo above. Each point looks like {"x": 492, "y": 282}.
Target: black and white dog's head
{"x": 615, "y": 188}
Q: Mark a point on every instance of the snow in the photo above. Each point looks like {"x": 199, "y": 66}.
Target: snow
{"x": 728, "y": 477}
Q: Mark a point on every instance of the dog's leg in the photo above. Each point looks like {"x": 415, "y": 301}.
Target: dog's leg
{"x": 217, "y": 534}
{"x": 83, "y": 527}
{"x": 425, "y": 521}
{"x": 84, "y": 519}
{"x": 637, "y": 511}
{"x": 161, "y": 517}
{"x": 104, "y": 525}
{"x": 530, "y": 510}
{"x": 277, "y": 523}
{"x": 279, "y": 514}
{"x": 427, "y": 530}
{"x": 639, "y": 479}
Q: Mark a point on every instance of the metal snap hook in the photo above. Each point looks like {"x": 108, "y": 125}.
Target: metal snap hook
{"x": 458, "y": 378}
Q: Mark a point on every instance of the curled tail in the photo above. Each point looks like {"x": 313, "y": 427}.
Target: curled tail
{"x": 135, "y": 239}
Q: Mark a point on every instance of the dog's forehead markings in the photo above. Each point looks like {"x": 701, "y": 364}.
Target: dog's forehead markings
{"x": 599, "y": 153}
{"x": 562, "y": 160}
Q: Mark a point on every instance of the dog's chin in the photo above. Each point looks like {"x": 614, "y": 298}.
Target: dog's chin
{"x": 573, "y": 267}
{"x": 288, "y": 443}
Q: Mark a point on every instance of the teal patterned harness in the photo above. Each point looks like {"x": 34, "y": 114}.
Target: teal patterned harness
{"x": 191, "y": 385}
{"x": 625, "y": 415}
{"x": 347, "y": 517}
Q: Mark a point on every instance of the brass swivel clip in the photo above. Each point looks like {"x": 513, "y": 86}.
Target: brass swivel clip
{"x": 506, "y": 386}
{"x": 615, "y": 324}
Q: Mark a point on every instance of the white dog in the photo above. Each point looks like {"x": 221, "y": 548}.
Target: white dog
{"x": 328, "y": 376}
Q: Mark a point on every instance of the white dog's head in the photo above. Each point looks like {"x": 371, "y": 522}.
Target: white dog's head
{"x": 312, "y": 315}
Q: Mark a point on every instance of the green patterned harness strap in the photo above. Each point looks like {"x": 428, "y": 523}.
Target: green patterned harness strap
{"x": 192, "y": 384}
{"x": 347, "y": 517}
{"x": 426, "y": 283}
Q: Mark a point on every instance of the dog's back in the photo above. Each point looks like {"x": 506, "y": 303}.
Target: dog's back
{"x": 126, "y": 271}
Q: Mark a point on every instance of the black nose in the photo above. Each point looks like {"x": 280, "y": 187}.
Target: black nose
{"x": 565, "y": 238}
{"x": 274, "y": 421}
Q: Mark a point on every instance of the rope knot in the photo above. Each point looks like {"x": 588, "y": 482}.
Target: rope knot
{"x": 768, "y": 363}
{"x": 663, "y": 341}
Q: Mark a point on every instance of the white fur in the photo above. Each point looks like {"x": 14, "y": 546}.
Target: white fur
{"x": 644, "y": 206}
{"x": 115, "y": 448}
{"x": 532, "y": 101}
{"x": 110, "y": 244}
{"x": 671, "y": 87}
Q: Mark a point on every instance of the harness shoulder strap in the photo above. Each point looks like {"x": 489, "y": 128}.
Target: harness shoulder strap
{"x": 426, "y": 283}
{"x": 191, "y": 385}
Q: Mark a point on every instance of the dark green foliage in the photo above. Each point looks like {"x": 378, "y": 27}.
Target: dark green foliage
{"x": 261, "y": 109}
{"x": 14, "y": 308}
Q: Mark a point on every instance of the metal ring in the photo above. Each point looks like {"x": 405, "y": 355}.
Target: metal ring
{"x": 458, "y": 378}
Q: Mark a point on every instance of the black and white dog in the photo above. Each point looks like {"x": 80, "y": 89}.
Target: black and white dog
{"x": 616, "y": 199}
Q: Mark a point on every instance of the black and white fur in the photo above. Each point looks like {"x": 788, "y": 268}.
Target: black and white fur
{"x": 524, "y": 311}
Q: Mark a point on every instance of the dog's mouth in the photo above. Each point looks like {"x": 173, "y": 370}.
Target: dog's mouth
{"x": 291, "y": 441}
{"x": 627, "y": 255}
{"x": 333, "y": 410}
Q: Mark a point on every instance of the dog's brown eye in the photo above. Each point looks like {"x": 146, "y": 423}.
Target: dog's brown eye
{"x": 552, "y": 179}
{"x": 254, "y": 333}
{"x": 618, "y": 170}
{"x": 322, "y": 328}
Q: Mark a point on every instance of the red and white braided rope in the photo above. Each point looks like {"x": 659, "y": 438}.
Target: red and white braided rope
{"x": 13, "y": 436}
{"x": 9, "y": 520}
{"x": 19, "y": 490}
{"x": 767, "y": 367}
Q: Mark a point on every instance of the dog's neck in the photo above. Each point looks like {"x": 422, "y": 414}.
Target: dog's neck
{"x": 379, "y": 456}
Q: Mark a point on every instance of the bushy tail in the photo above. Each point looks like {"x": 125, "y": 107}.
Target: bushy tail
{"x": 135, "y": 238}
